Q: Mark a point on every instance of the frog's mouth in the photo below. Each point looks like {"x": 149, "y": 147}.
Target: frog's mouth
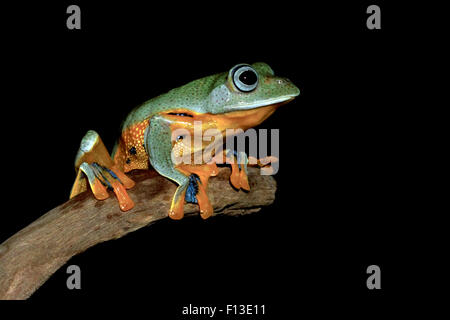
{"x": 259, "y": 104}
{"x": 242, "y": 117}
{"x": 253, "y": 116}
{"x": 276, "y": 102}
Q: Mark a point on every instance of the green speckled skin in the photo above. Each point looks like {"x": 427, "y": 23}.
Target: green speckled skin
{"x": 159, "y": 146}
{"x": 203, "y": 95}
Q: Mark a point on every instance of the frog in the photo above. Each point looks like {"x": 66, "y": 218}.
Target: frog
{"x": 240, "y": 98}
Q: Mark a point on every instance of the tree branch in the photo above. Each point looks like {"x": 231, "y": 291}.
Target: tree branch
{"x": 31, "y": 256}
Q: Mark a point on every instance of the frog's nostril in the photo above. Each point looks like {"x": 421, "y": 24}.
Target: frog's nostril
{"x": 283, "y": 81}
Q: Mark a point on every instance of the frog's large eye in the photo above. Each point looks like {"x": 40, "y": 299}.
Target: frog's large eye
{"x": 244, "y": 78}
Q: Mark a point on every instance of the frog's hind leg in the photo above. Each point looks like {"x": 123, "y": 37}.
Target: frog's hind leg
{"x": 158, "y": 143}
{"x": 94, "y": 164}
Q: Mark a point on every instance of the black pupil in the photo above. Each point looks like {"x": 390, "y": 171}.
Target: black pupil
{"x": 248, "y": 77}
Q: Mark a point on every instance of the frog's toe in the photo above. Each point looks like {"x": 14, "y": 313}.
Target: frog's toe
{"x": 125, "y": 202}
{"x": 176, "y": 211}
{"x": 238, "y": 162}
{"x": 252, "y": 161}
{"x": 102, "y": 179}
{"x": 206, "y": 210}
{"x": 214, "y": 170}
{"x": 205, "y": 207}
{"x": 243, "y": 180}
{"x": 264, "y": 163}
{"x": 242, "y": 160}
{"x": 97, "y": 187}
{"x": 234, "y": 177}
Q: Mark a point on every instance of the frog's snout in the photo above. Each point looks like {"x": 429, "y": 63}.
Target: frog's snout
{"x": 287, "y": 86}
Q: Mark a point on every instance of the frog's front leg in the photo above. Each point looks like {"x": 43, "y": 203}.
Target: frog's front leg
{"x": 238, "y": 162}
{"x": 94, "y": 163}
{"x": 158, "y": 143}
{"x": 266, "y": 164}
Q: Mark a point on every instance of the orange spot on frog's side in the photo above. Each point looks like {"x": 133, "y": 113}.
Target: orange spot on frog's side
{"x": 132, "y": 139}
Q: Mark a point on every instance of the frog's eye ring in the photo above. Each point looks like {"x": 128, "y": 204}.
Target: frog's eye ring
{"x": 245, "y": 78}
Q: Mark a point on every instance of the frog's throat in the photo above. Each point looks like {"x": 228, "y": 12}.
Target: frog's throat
{"x": 228, "y": 124}
{"x": 249, "y": 118}
{"x": 239, "y": 119}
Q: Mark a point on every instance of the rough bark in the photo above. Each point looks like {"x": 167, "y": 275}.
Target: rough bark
{"x": 31, "y": 256}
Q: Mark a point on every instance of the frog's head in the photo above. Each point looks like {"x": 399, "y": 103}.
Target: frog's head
{"x": 247, "y": 87}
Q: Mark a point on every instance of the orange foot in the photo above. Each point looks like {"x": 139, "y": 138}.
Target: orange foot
{"x": 238, "y": 177}
{"x": 264, "y": 163}
{"x": 203, "y": 172}
{"x": 94, "y": 164}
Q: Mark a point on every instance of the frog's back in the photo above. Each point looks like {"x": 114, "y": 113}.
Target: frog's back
{"x": 191, "y": 96}
{"x": 130, "y": 152}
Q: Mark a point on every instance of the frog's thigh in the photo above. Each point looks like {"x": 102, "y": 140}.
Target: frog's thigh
{"x": 158, "y": 143}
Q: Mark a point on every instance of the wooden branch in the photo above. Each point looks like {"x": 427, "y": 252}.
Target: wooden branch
{"x": 31, "y": 256}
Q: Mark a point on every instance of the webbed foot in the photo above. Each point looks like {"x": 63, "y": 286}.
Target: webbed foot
{"x": 198, "y": 183}
{"x": 238, "y": 162}
{"x": 264, "y": 163}
{"x": 94, "y": 164}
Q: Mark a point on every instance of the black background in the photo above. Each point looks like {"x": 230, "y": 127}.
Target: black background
{"x": 343, "y": 179}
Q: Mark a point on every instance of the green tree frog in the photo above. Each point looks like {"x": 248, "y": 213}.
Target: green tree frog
{"x": 240, "y": 98}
